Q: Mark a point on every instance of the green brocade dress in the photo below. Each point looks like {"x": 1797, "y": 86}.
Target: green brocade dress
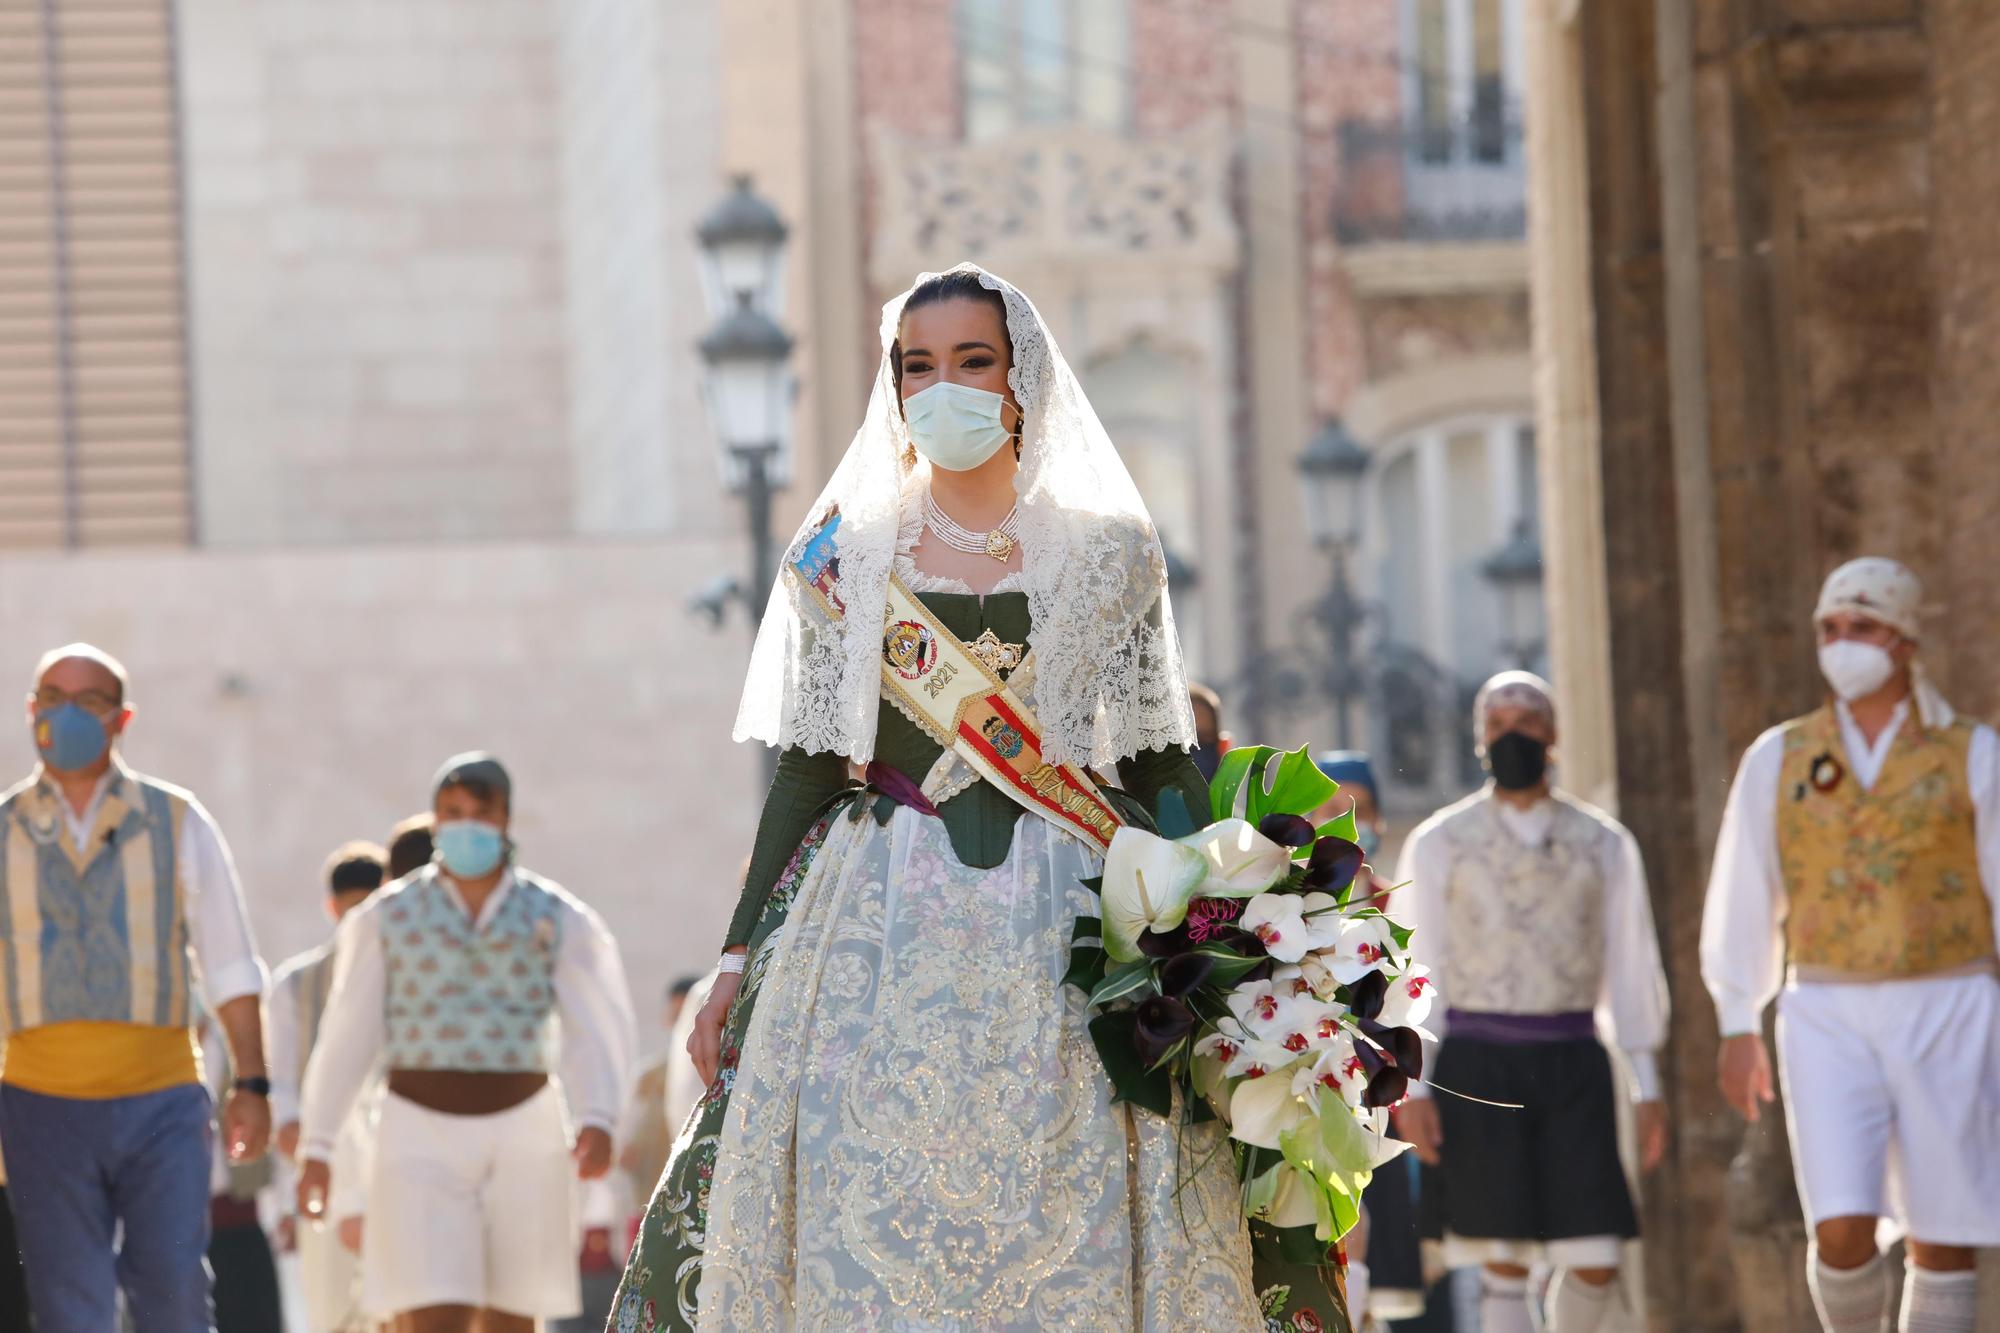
{"x": 909, "y": 1129}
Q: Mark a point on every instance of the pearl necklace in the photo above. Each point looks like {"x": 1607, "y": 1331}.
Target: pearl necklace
{"x": 998, "y": 543}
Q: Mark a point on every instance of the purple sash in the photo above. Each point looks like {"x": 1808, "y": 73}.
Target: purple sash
{"x": 1520, "y": 1029}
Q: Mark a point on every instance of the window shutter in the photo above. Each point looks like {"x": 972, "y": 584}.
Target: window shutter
{"x": 93, "y": 377}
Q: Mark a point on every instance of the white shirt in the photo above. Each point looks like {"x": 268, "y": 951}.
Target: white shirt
{"x": 1633, "y": 1002}
{"x": 1742, "y": 926}
{"x": 592, "y": 1005}
{"x": 225, "y": 952}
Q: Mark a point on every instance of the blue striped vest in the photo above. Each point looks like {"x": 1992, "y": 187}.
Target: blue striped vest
{"x": 94, "y": 933}
{"x": 468, "y": 998}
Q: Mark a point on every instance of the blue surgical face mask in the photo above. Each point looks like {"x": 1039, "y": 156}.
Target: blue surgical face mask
{"x": 1370, "y": 842}
{"x": 469, "y": 848}
{"x": 956, "y": 426}
{"x": 71, "y": 737}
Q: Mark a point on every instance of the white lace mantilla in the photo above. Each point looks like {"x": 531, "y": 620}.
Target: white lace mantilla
{"x": 1110, "y": 681}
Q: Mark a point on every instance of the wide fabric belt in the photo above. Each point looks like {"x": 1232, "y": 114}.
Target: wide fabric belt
{"x": 936, "y": 681}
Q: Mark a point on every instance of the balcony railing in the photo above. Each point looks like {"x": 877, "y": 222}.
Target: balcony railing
{"x": 1407, "y": 182}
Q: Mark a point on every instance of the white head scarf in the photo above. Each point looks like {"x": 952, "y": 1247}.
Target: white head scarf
{"x": 1886, "y": 591}
{"x": 1109, "y": 681}
{"x": 1511, "y": 689}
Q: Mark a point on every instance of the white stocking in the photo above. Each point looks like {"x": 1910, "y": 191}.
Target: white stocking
{"x": 1578, "y": 1307}
{"x": 1503, "y": 1305}
{"x": 1939, "y": 1302}
{"x": 1849, "y": 1300}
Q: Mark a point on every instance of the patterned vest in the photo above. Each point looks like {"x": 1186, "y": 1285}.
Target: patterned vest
{"x": 1527, "y": 922}
{"x": 470, "y": 998}
{"x": 311, "y": 979}
{"x": 93, "y": 933}
{"x": 1885, "y": 882}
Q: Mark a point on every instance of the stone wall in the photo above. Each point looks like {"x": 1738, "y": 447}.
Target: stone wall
{"x": 307, "y": 697}
{"x": 375, "y": 269}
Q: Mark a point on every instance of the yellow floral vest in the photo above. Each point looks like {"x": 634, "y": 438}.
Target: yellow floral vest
{"x": 1886, "y": 882}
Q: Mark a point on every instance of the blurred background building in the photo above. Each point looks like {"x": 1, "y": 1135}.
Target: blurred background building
{"x": 351, "y": 387}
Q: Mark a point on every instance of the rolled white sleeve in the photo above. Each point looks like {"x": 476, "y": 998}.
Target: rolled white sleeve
{"x": 212, "y": 904}
{"x": 281, "y": 1045}
{"x": 1982, "y": 763}
{"x": 1635, "y": 980}
{"x": 1742, "y": 939}
{"x": 1418, "y": 902}
{"x": 351, "y": 1035}
{"x": 594, "y": 1007}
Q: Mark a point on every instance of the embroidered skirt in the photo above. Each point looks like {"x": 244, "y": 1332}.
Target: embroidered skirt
{"x": 912, "y": 1131}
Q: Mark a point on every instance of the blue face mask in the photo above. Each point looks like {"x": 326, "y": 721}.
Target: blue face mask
{"x": 1370, "y": 843}
{"x": 468, "y": 848}
{"x": 956, "y": 426}
{"x": 70, "y": 738}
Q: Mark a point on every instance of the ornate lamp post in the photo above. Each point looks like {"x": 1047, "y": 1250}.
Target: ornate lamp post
{"x": 1515, "y": 571}
{"x": 749, "y": 383}
{"x": 1335, "y": 466}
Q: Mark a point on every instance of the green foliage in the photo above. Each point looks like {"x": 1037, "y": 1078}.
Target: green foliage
{"x": 1131, "y": 1081}
{"x": 1257, "y": 780}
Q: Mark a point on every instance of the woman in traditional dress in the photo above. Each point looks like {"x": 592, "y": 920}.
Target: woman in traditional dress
{"x": 910, "y": 1129}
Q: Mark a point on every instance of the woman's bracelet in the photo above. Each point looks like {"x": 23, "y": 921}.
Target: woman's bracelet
{"x": 731, "y": 962}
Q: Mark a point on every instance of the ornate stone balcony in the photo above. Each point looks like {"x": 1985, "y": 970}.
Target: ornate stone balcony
{"x": 1055, "y": 198}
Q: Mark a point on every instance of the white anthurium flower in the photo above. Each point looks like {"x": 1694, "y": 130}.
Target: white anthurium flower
{"x": 1241, "y": 861}
{"x": 1363, "y": 947}
{"x": 1260, "y": 1109}
{"x": 1410, "y": 998}
{"x": 1148, "y": 881}
{"x": 1284, "y": 1196}
{"x": 1274, "y": 918}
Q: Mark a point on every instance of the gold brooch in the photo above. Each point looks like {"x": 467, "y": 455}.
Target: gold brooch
{"x": 996, "y": 656}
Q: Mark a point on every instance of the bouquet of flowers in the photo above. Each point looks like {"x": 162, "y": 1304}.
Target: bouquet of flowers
{"x": 1236, "y": 973}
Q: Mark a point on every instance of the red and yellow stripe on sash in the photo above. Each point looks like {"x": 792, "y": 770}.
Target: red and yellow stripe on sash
{"x": 936, "y": 682}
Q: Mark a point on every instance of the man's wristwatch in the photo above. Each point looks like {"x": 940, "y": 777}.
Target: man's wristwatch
{"x": 260, "y": 1087}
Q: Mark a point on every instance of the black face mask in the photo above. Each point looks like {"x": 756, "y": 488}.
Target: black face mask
{"x": 1517, "y": 762}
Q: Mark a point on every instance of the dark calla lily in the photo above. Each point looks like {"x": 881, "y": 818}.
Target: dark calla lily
{"x": 1165, "y": 944}
{"x": 1404, "y": 1048}
{"x": 1386, "y": 1088}
{"x": 1161, "y": 1023}
{"x": 1333, "y": 865}
{"x": 1366, "y": 996}
{"x": 1185, "y": 973}
{"x": 1287, "y": 830}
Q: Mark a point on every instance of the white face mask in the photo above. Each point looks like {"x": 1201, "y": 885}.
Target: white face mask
{"x": 1855, "y": 670}
{"x": 956, "y": 426}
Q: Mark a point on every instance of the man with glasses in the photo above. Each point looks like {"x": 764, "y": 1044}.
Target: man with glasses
{"x": 111, "y": 886}
{"x": 1864, "y": 839}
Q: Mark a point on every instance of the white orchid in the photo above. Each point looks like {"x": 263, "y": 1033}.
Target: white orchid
{"x": 1148, "y": 881}
{"x": 1241, "y": 861}
{"x": 1268, "y": 1010}
{"x": 1337, "y": 1070}
{"x": 1363, "y": 944}
{"x": 1410, "y": 998}
{"x": 1276, "y": 919}
{"x": 1321, "y": 913}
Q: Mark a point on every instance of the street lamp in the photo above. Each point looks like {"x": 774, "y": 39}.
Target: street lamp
{"x": 742, "y": 250}
{"x": 1515, "y": 571}
{"x": 1335, "y": 465}
{"x": 748, "y": 383}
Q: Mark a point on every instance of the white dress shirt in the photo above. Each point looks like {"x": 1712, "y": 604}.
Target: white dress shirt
{"x": 1742, "y": 926}
{"x": 225, "y": 952}
{"x": 1633, "y": 1000}
{"x": 593, "y": 1007}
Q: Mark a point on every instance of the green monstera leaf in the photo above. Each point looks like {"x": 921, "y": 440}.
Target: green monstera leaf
{"x": 1257, "y": 780}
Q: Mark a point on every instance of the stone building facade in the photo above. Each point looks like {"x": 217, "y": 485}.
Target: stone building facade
{"x": 1766, "y": 297}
